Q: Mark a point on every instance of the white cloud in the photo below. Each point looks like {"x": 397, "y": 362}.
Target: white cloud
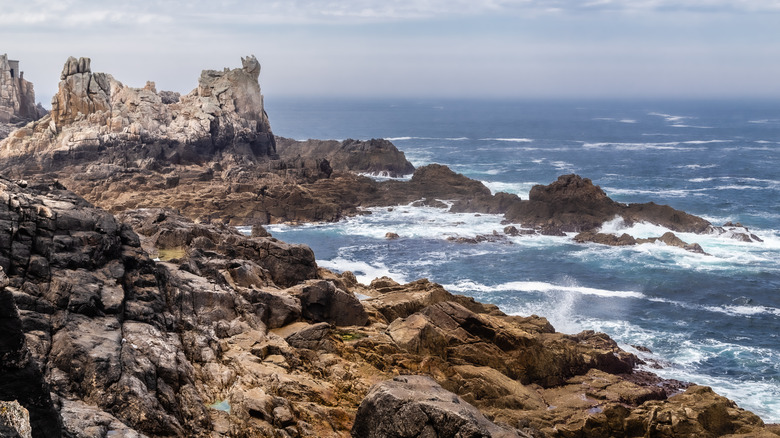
{"x": 72, "y": 13}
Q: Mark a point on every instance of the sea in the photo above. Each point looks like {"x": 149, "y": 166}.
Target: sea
{"x": 711, "y": 319}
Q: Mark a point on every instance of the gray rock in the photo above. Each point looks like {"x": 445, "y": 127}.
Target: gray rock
{"x": 321, "y": 301}
{"x": 14, "y": 420}
{"x": 417, "y": 406}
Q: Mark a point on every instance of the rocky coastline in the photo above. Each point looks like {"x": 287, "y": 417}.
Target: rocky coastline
{"x": 131, "y": 306}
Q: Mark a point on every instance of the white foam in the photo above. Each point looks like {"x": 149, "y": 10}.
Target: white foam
{"x": 520, "y": 189}
{"x": 385, "y": 176}
{"x": 670, "y": 118}
{"x": 627, "y": 121}
{"x": 697, "y": 166}
{"x": 420, "y": 222}
{"x": 538, "y": 286}
{"x": 678, "y": 193}
{"x": 706, "y": 141}
{"x": 667, "y": 146}
{"x": 364, "y": 272}
{"x": 514, "y": 140}
{"x": 691, "y": 126}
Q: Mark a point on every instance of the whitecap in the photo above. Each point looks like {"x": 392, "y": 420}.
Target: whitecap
{"x": 691, "y": 126}
{"x": 515, "y": 140}
{"x": 538, "y": 286}
{"x": 520, "y": 189}
{"x": 630, "y": 121}
{"x": 364, "y": 272}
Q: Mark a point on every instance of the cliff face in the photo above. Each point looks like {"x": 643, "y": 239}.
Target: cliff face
{"x": 96, "y": 118}
{"x": 17, "y": 96}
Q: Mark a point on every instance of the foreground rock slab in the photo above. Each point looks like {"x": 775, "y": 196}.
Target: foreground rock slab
{"x": 416, "y": 406}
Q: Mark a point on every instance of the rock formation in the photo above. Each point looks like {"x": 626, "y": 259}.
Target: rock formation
{"x": 376, "y": 156}
{"x": 154, "y": 325}
{"x": 14, "y": 420}
{"x": 96, "y": 118}
{"x": 17, "y": 98}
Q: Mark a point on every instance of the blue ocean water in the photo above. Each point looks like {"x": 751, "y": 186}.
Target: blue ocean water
{"x": 711, "y": 319}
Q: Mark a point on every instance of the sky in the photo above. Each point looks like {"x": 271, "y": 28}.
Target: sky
{"x": 412, "y": 48}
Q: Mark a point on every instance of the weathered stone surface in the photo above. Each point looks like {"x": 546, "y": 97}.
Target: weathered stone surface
{"x": 375, "y": 156}
{"x": 14, "y": 420}
{"x": 321, "y": 301}
{"x": 17, "y": 96}
{"x": 94, "y": 117}
{"x": 416, "y": 406}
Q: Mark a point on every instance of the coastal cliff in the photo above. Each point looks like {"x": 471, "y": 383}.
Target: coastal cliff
{"x": 147, "y": 314}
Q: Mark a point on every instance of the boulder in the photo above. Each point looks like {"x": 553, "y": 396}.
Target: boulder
{"x": 321, "y": 301}
{"x": 14, "y": 420}
{"x": 376, "y": 156}
{"x": 416, "y": 406}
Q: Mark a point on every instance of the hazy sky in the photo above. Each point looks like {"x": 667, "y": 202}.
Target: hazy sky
{"x": 454, "y": 48}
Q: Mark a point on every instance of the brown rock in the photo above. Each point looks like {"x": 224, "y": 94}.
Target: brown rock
{"x": 416, "y": 406}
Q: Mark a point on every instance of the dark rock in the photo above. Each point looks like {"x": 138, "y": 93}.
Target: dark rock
{"x": 321, "y": 301}
{"x": 375, "y": 156}
{"x": 416, "y": 406}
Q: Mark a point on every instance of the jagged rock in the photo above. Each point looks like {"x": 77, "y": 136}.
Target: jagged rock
{"x": 416, "y": 406}
{"x": 321, "y": 301}
{"x": 17, "y": 96}
{"x": 14, "y": 420}
{"x": 94, "y": 117}
{"x": 375, "y": 156}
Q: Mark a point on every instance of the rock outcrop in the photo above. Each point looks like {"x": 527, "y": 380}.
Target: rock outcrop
{"x": 17, "y": 96}
{"x": 416, "y": 406}
{"x": 231, "y": 335}
{"x": 14, "y": 420}
{"x": 97, "y": 119}
{"x": 375, "y": 157}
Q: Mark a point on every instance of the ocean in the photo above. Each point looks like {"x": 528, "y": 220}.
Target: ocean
{"x": 711, "y": 319}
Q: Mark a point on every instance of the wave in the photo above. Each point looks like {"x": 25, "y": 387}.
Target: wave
{"x": 520, "y": 189}
{"x": 670, "y": 118}
{"x": 612, "y": 119}
{"x": 538, "y": 286}
{"x": 675, "y": 145}
{"x": 364, "y": 272}
{"x": 384, "y": 176}
{"x": 688, "y": 360}
{"x": 426, "y": 138}
{"x": 691, "y": 126}
{"x": 676, "y": 193}
{"x": 706, "y": 141}
{"x": 515, "y": 140}
{"x": 698, "y": 166}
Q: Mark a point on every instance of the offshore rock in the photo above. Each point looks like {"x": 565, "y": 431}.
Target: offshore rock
{"x": 375, "y": 156}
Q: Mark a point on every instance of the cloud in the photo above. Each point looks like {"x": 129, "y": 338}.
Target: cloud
{"x": 80, "y": 13}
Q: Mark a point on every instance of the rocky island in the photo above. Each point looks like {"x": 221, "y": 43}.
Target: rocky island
{"x": 130, "y": 305}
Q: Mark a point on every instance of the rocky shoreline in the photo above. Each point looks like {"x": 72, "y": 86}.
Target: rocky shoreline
{"x": 132, "y": 307}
